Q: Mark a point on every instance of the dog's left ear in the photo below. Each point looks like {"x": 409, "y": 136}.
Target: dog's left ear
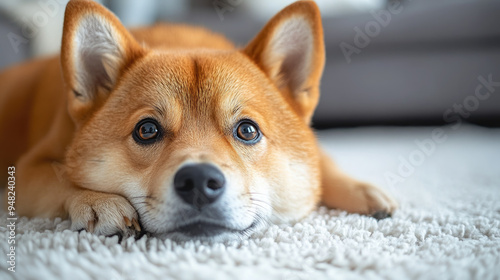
{"x": 96, "y": 50}
{"x": 290, "y": 50}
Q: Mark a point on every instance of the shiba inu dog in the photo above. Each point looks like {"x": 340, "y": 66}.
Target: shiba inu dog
{"x": 172, "y": 130}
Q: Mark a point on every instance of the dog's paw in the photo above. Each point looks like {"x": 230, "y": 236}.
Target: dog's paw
{"x": 377, "y": 202}
{"x": 103, "y": 214}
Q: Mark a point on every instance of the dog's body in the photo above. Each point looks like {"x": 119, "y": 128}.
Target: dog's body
{"x": 175, "y": 127}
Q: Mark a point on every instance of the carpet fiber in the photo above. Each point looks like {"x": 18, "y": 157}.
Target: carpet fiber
{"x": 448, "y": 225}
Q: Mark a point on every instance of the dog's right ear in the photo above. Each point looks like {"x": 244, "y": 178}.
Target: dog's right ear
{"x": 96, "y": 50}
{"x": 290, "y": 51}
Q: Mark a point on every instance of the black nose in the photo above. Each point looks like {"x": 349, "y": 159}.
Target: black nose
{"x": 199, "y": 184}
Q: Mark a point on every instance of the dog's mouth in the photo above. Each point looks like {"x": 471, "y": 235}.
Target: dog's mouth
{"x": 203, "y": 230}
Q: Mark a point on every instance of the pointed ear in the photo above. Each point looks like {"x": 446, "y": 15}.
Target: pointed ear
{"x": 290, "y": 50}
{"x": 96, "y": 49}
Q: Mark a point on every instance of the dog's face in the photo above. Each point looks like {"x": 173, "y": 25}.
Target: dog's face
{"x": 205, "y": 144}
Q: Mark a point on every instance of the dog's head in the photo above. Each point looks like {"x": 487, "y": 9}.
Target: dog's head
{"x": 205, "y": 143}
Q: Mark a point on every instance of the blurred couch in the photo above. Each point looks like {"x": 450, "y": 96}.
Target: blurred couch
{"x": 426, "y": 60}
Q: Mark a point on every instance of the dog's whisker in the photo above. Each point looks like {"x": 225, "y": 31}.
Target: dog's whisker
{"x": 96, "y": 160}
{"x": 144, "y": 196}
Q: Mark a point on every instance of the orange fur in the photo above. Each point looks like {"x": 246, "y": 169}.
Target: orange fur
{"x": 69, "y": 135}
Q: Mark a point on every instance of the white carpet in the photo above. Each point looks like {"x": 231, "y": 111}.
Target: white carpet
{"x": 448, "y": 226}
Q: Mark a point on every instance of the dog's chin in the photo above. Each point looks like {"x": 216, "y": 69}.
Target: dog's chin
{"x": 207, "y": 232}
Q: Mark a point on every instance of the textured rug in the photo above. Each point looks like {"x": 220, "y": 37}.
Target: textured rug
{"x": 448, "y": 227}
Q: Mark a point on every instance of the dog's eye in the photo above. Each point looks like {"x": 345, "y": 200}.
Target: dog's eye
{"x": 247, "y": 132}
{"x": 146, "y": 131}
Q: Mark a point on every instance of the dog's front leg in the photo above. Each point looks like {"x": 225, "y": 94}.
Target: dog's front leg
{"x": 43, "y": 190}
{"x": 102, "y": 213}
{"x": 343, "y": 192}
